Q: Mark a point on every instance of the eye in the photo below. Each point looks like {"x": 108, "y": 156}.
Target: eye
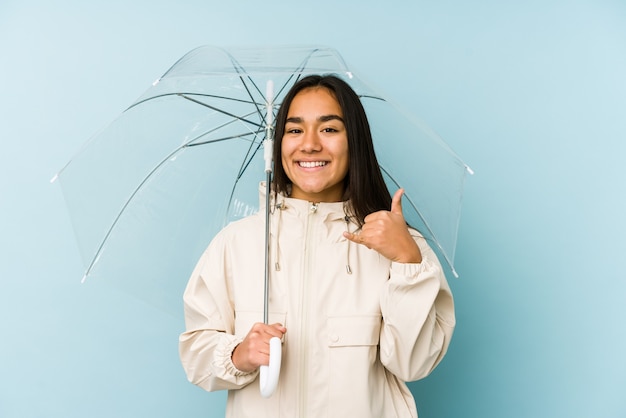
{"x": 293, "y": 130}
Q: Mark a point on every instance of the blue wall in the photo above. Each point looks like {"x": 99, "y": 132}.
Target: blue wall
{"x": 530, "y": 94}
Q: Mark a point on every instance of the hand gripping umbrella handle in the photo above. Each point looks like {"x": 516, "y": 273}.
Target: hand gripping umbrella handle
{"x": 268, "y": 378}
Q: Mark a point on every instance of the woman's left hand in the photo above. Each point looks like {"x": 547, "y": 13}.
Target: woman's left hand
{"x": 387, "y": 233}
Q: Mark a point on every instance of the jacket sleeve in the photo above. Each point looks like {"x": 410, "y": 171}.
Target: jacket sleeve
{"x": 418, "y": 316}
{"x": 207, "y": 344}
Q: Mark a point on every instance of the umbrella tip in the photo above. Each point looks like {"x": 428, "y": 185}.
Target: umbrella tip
{"x": 53, "y": 179}
{"x": 469, "y": 170}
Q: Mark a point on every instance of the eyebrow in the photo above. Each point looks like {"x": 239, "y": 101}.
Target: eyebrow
{"x": 323, "y": 118}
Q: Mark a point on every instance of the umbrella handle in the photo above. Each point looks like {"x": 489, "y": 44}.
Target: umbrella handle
{"x": 268, "y": 378}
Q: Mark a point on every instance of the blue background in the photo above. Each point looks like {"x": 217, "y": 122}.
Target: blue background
{"x": 530, "y": 94}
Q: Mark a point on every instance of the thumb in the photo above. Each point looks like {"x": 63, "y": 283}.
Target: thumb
{"x": 396, "y": 202}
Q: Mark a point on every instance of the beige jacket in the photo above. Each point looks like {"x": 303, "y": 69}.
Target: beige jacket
{"x": 352, "y": 339}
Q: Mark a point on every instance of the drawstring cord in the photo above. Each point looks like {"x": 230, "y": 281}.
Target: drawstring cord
{"x": 280, "y": 206}
{"x": 348, "y": 268}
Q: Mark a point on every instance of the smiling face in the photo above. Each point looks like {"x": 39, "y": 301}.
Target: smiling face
{"x": 314, "y": 146}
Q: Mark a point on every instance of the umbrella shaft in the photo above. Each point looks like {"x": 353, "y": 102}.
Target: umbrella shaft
{"x": 266, "y": 293}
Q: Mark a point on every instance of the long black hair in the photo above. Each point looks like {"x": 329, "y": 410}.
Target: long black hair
{"x": 364, "y": 187}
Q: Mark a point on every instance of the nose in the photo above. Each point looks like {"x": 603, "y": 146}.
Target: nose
{"x": 311, "y": 141}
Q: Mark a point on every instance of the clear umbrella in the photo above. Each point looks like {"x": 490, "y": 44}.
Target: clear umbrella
{"x": 147, "y": 193}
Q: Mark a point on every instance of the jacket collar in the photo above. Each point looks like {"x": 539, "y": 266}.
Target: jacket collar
{"x": 328, "y": 210}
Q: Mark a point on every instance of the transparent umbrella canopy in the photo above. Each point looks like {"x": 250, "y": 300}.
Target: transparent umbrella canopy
{"x": 147, "y": 193}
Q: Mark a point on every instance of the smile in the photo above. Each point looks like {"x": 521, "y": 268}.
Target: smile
{"x": 311, "y": 164}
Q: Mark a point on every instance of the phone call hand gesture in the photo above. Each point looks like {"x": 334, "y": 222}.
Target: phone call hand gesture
{"x": 387, "y": 232}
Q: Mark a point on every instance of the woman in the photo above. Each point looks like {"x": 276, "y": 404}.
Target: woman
{"x": 358, "y": 298}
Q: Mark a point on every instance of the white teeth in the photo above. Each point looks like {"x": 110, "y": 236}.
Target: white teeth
{"x": 311, "y": 164}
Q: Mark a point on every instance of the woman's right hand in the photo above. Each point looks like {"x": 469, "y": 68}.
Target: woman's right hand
{"x": 254, "y": 350}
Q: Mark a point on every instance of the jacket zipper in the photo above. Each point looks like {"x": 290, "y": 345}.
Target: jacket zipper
{"x": 305, "y": 325}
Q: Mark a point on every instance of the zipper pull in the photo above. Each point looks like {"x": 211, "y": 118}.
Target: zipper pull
{"x": 313, "y": 208}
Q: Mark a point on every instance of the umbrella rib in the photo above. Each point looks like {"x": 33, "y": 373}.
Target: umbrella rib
{"x": 192, "y": 143}
{"x": 220, "y": 110}
{"x": 124, "y": 206}
{"x": 256, "y": 105}
{"x": 188, "y": 97}
{"x": 246, "y": 162}
{"x": 240, "y": 71}
{"x": 224, "y": 138}
{"x": 248, "y": 158}
{"x": 367, "y": 96}
{"x": 215, "y": 96}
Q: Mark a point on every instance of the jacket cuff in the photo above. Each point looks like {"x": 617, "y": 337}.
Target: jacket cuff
{"x": 411, "y": 272}
{"x": 224, "y": 359}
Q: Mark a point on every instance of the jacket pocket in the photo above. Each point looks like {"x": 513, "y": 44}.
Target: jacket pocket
{"x": 354, "y": 384}
{"x": 353, "y": 331}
